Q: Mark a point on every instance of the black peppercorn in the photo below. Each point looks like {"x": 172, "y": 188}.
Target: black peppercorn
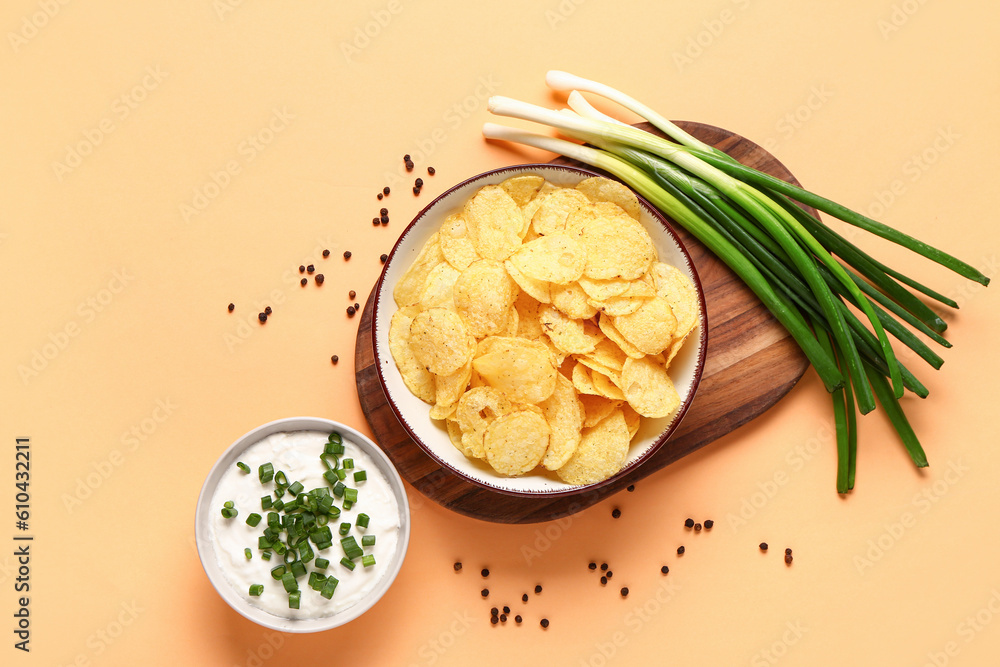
{"x": 232, "y": 307}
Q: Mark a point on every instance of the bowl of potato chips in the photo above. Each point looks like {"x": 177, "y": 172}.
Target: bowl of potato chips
{"x": 539, "y": 330}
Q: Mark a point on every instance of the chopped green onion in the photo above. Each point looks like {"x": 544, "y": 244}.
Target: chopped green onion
{"x": 265, "y": 473}
{"x": 322, "y": 563}
{"x": 345, "y": 528}
{"x": 228, "y": 504}
{"x": 360, "y": 476}
{"x": 329, "y": 587}
{"x": 322, "y": 534}
{"x": 263, "y": 542}
{"x": 351, "y": 495}
{"x": 278, "y": 505}
{"x": 265, "y": 502}
{"x": 348, "y": 505}
{"x": 289, "y": 556}
{"x": 288, "y": 581}
{"x": 335, "y": 438}
{"x": 293, "y": 599}
{"x": 338, "y": 489}
{"x": 316, "y": 581}
{"x": 305, "y": 551}
{"x": 273, "y": 519}
{"x": 347, "y": 562}
{"x": 351, "y": 548}
{"x": 331, "y": 476}
{"x": 248, "y": 553}
{"x": 368, "y": 560}
{"x": 253, "y": 519}
{"x": 277, "y": 572}
{"x": 347, "y": 464}
{"x": 229, "y": 512}
{"x": 265, "y": 555}
{"x": 295, "y": 488}
{"x": 279, "y": 548}
{"x": 256, "y": 589}
{"x": 367, "y": 540}
{"x": 243, "y": 466}
{"x": 280, "y": 478}
{"x": 341, "y": 474}
{"x": 298, "y": 569}
{"x": 362, "y": 521}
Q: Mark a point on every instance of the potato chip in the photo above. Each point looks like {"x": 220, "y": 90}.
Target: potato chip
{"x": 477, "y": 408}
{"x": 675, "y": 347}
{"x": 632, "y": 420}
{"x": 448, "y": 389}
{"x": 615, "y": 336}
{"x": 410, "y": 286}
{"x": 582, "y": 382}
{"x": 440, "y": 341}
{"x": 606, "y": 385}
{"x": 528, "y": 308}
{"x": 455, "y": 435}
{"x": 597, "y": 408}
{"x": 608, "y": 354}
{"x": 601, "y": 452}
{"x": 618, "y": 305}
{"x": 555, "y": 258}
{"x": 438, "y": 288}
{"x": 600, "y": 189}
{"x": 602, "y": 290}
{"x": 528, "y": 212}
{"x": 442, "y": 412}
{"x": 484, "y": 294}
{"x": 617, "y": 245}
{"x": 417, "y": 379}
{"x": 513, "y": 322}
{"x": 648, "y": 388}
{"x": 551, "y": 215}
{"x": 494, "y": 223}
{"x": 564, "y": 414}
{"x": 673, "y": 285}
{"x": 538, "y": 289}
{"x": 516, "y": 442}
{"x": 523, "y": 188}
{"x": 569, "y": 335}
{"x": 572, "y": 300}
{"x": 456, "y": 246}
{"x": 520, "y": 368}
{"x": 651, "y": 328}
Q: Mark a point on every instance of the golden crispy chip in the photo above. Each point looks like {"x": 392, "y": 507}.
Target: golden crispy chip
{"x": 528, "y": 308}
{"x": 555, "y": 258}
{"x": 528, "y": 211}
{"x": 448, "y": 389}
{"x": 605, "y": 384}
{"x": 477, "y": 409}
{"x": 516, "y": 442}
{"x": 604, "y": 189}
{"x": 539, "y": 289}
{"x": 438, "y": 289}
{"x": 520, "y": 368}
{"x": 572, "y": 300}
{"x": 494, "y": 223}
{"x": 648, "y": 388}
{"x": 456, "y": 246}
{"x": 601, "y": 452}
{"x": 417, "y": 379}
{"x": 551, "y": 215}
{"x": 632, "y": 420}
{"x": 513, "y": 322}
{"x": 484, "y": 293}
{"x": 564, "y": 414}
{"x": 608, "y": 354}
{"x": 581, "y": 380}
{"x": 616, "y": 337}
{"x": 523, "y": 188}
{"x": 407, "y": 291}
{"x": 440, "y": 341}
{"x": 617, "y": 246}
{"x": 675, "y": 347}
{"x": 673, "y": 285}
{"x": 557, "y": 355}
{"x": 603, "y": 289}
{"x": 569, "y": 335}
{"x": 618, "y": 305}
{"x": 596, "y": 408}
{"x": 651, "y": 328}
{"x": 455, "y": 435}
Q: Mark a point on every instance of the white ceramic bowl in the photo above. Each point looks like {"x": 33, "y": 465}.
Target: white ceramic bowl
{"x": 206, "y": 543}
{"x": 431, "y": 436}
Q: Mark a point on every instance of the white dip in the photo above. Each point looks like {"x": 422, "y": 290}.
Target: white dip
{"x": 297, "y": 454}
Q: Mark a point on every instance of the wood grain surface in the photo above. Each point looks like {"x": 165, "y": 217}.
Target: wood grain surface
{"x": 751, "y": 363}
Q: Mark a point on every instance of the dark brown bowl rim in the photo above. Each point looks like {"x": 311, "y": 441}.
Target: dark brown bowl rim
{"x": 663, "y": 437}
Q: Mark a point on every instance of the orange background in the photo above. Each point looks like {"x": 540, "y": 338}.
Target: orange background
{"x": 117, "y": 294}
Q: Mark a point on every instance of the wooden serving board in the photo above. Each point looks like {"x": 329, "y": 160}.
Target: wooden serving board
{"x": 751, "y": 363}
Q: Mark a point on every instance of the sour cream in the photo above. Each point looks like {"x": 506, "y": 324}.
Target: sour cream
{"x": 297, "y": 454}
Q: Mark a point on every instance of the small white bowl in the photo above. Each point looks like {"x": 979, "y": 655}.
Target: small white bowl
{"x": 431, "y": 436}
{"x": 205, "y": 540}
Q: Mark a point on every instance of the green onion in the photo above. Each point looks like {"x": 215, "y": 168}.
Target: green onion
{"x": 330, "y": 586}
{"x": 228, "y": 511}
{"x": 360, "y": 476}
{"x": 362, "y": 520}
{"x": 278, "y": 572}
{"x": 351, "y": 495}
{"x": 265, "y": 555}
{"x": 345, "y": 528}
{"x": 347, "y": 464}
{"x": 367, "y": 540}
{"x": 331, "y": 476}
{"x": 298, "y": 569}
{"x": 265, "y": 473}
{"x": 322, "y": 563}
{"x": 351, "y": 548}
{"x": 278, "y": 505}
{"x": 295, "y": 488}
{"x": 294, "y": 598}
{"x": 256, "y": 589}
{"x": 368, "y": 560}
{"x": 289, "y": 582}
{"x": 281, "y": 479}
{"x": 253, "y": 519}
{"x": 265, "y": 502}
{"x": 243, "y": 466}
{"x": 335, "y": 438}
{"x": 316, "y": 581}
{"x": 347, "y": 562}
{"x": 248, "y": 553}
{"x": 338, "y": 489}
